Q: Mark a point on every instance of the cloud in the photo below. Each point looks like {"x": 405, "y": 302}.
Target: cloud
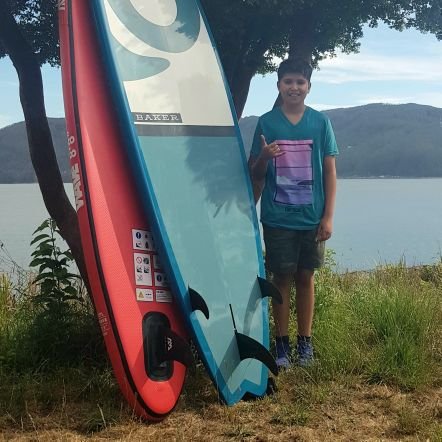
{"x": 324, "y": 107}
{"x": 379, "y": 67}
{"x": 427, "y": 98}
{"x": 5, "y": 120}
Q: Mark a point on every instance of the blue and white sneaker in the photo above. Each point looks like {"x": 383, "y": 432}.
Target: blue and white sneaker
{"x": 304, "y": 349}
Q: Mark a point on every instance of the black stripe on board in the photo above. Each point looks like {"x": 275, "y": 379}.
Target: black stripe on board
{"x": 184, "y": 131}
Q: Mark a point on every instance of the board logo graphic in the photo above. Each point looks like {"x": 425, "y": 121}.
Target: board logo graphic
{"x": 143, "y": 117}
{"x": 177, "y": 37}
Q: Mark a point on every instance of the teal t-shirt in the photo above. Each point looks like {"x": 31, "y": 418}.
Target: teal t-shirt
{"x": 293, "y": 195}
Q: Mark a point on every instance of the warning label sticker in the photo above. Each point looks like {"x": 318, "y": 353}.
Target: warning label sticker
{"x": 163, "y": 296}
{"x": 144, "y": 295}
{"x": 156, "y": 262}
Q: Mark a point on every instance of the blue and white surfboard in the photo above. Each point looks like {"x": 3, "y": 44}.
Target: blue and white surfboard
{"x": 186, "y": 153}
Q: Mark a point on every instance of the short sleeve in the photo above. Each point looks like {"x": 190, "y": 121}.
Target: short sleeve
{"x": 330, "y": 145}
{"x": 256, "y": 144}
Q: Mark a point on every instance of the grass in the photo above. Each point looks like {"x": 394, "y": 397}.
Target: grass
{"x": 378, "y": 373}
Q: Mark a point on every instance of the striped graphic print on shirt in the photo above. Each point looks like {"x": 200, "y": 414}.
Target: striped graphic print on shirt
{"x": 293, "y": 172}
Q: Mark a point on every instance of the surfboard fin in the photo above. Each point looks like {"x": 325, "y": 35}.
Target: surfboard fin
{"x": 174, "y": 348}
{"x": 197, "y": 302}
{"x": 249, "y": 348}
{"x": 270, "y": 290}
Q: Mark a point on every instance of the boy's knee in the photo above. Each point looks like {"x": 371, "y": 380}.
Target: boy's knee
{"x": 304, "y": 277}
{"x": 283, "y": 280}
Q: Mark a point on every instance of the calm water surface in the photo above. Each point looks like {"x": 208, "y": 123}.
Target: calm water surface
{"x": 377, "y": 221}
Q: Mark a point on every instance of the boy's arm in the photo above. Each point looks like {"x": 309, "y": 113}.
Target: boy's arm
{"x": 258, "y": 166}
{"x": 326, "y": 225}
{"x": 257, "y": 184}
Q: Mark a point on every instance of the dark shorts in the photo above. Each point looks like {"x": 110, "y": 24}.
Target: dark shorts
{"x": 287, "y": 251}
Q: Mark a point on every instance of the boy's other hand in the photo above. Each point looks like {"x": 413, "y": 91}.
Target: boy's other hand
{"x": 325, "y": 230}
{"x": 269, "y": 151}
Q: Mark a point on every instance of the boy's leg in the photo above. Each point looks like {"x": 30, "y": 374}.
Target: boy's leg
{"x": 311, "y": 257}
{"x": 305, "y": 301}
{"x": 281, "y": 312}
{"x": 282, "y": 250}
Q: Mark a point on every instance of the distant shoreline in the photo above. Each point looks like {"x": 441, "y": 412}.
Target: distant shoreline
{"x": 339, "y": 178}
{"x": 386, "y": 177}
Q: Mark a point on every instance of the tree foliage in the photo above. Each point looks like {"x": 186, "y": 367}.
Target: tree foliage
{"x": 251, "y": 34}
{"x": 38, "y": 24}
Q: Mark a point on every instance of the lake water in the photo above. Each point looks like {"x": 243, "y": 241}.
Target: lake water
{"x": 377, "y": 221}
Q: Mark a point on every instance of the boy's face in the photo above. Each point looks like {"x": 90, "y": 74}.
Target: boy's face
{"x": 293, "y": 88}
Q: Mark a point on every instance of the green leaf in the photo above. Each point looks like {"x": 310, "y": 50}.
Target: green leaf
{"x": 68, "y": 255}
{"x": 39, "y": 238}
{"x": 42, "y": 226}
{"x": 71, "y": 290}
{"x": 43, "y": 276}
{"x": 36, "y": 262}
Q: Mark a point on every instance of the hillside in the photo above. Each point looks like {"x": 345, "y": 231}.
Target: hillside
{"x": 375, "y": 140}
{"x": 383, "y": 140}
{"x": 15, "y": 159}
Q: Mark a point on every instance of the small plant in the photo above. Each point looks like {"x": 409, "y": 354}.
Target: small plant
{"x": 60, "y": 328}
{"x": 58, "y": 286}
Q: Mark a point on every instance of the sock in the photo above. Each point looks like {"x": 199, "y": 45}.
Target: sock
{"x": 283, "y": 343}
{"x": 305, "y": 339}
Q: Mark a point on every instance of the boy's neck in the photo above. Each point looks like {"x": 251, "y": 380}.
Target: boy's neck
{"x": 293, "y": 113}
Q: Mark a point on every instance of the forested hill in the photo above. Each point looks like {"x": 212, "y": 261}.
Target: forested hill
{"x": 375, "y": 140}
{"x": 15, "y": 160}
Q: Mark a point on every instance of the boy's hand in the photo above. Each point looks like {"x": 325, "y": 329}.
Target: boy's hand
{"x": 269, "y": 151}
{"x": 325, "y": 230}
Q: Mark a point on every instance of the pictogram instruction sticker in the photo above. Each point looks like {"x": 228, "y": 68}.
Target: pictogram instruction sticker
{"x": 142, "y": 240}
{"x": 143, "y": 269}
{"x": 160, "y": 279}
{"x": 163, "y": 296}
{"x": 156, "y": 262}
{"x": 144, "y": 295}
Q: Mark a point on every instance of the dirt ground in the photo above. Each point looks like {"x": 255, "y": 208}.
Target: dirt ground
{"x": 334, "y": 412}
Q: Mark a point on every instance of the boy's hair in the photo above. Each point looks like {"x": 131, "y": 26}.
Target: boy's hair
{"x": 295, "y": 66}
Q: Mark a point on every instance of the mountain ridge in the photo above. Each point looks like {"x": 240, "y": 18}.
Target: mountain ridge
{"x": 375, "y": 140}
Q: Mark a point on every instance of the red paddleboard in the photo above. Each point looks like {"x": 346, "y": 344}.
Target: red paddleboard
{"x": 143, "y": 332}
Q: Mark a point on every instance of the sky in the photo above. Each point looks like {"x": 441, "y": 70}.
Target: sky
{"x": 391, "y": 67}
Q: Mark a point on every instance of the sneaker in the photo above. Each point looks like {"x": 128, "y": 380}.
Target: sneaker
{"x": 283, "y": 362}
{"x": 283, "y": 352}
{"x": 305, "y": 353}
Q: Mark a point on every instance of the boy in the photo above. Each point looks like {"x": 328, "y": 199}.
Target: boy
{"x": 292, "y": 162}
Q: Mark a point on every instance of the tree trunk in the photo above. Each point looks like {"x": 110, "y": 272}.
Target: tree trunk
{"x": 240, "y": 89}
{"x": 299, "y": 48}
{"x": 39, "y": 136}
